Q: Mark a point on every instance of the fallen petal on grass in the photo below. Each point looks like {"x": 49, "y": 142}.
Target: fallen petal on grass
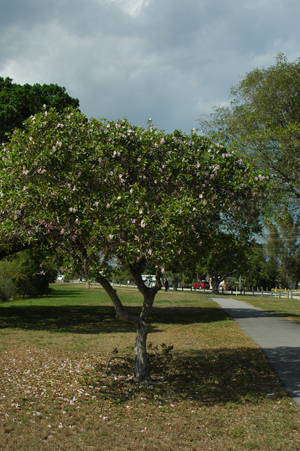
{"x": 220, "y": 395}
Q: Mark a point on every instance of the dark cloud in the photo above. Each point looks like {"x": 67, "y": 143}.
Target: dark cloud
{"x": 169, "y": 60}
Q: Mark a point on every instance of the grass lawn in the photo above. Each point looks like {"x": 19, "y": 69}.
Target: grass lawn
{"x": 288, "y": 308}
{"x": 214, "y": 389}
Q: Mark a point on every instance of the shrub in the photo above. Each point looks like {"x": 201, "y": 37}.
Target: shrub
{"x": 25, "y": 275}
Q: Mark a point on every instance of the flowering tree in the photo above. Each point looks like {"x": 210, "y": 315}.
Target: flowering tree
{"x": 100, "y": 191}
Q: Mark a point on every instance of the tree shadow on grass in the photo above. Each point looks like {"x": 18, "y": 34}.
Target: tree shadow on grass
{"x": 208, "y": 377}
{"x": 66, "y": 293}
{"x": 99, "y": 319}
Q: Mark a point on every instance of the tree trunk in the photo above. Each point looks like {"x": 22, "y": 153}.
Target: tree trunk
{"x": 141, "y": 369}
{"x": 175, "y": 283}
{"x": 215, "y": 286}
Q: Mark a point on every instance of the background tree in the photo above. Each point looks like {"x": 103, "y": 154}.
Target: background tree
{"x": 275, "y": 262}
{"x": 227, "y": 255}
{"x": 263, "y": 123}
{"x": 18, "y": 102}
{"x": 98, "y": 191}
{"x": 282, "y": 249}
{"x": 260, "y": 271}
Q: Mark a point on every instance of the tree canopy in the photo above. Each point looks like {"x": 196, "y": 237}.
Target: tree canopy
{"x": 101, "y": 192}
{"x": 18, "y": 102}
{"x": 263, "y": 123}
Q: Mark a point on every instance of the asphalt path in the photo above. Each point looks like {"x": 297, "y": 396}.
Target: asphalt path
{"x": 277, "y": 337}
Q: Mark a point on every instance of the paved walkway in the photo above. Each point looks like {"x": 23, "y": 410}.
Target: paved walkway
{"x": 277, "y": 337}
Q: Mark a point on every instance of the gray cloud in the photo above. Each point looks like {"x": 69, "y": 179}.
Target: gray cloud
{"x": 169, "y": 60}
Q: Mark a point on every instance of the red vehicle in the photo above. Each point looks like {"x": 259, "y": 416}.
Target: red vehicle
{"x": 201, "y": 284}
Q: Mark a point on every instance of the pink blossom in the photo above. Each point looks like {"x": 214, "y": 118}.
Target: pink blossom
{"x": 143, "y": 224}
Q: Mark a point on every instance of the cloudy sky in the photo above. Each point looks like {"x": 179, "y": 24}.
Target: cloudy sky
{"x": 170, "y": 60}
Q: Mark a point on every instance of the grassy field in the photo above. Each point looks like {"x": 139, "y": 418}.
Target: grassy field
{"x": 214, "y": 390}
{"x": 288, "y": 308}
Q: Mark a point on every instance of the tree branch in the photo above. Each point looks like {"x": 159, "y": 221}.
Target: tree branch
{"x": 119, "y": 307}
